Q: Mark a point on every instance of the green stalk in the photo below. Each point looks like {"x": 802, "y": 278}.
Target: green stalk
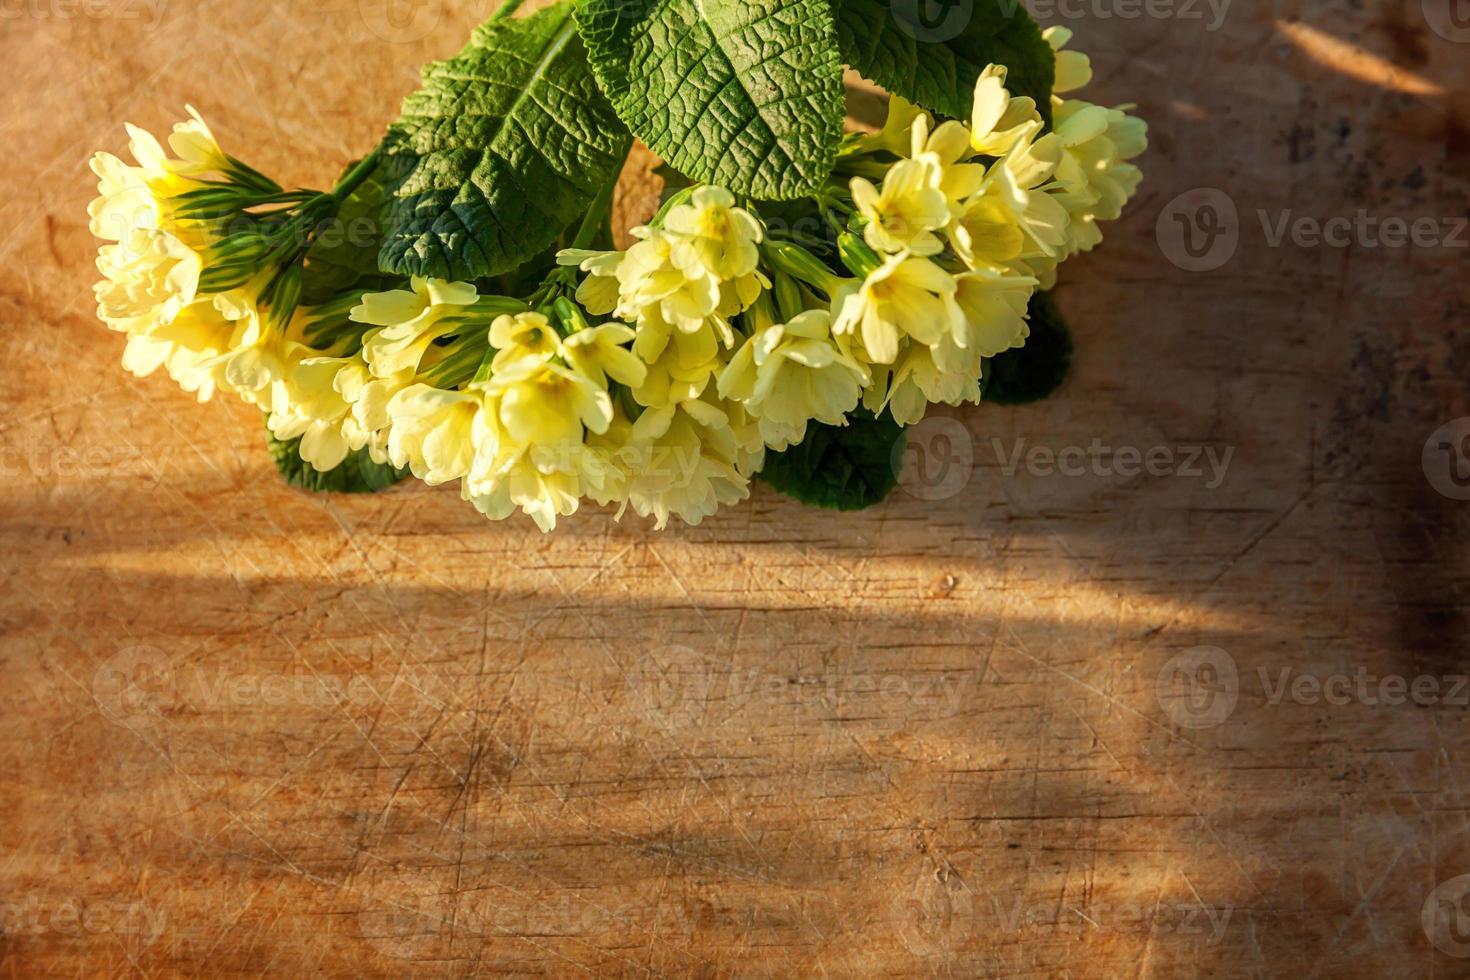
{"x": 354, "y": 178}
{"x": 506, "y": 9}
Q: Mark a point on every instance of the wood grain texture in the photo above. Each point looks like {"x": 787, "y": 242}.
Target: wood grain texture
{"x": 247, "y": 731}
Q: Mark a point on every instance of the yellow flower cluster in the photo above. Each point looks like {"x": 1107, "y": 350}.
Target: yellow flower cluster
{"x": 684, "y": 449}
{"x": 209, "y": 289}
{"x": 154, "y": 258}
{"x": 969, "y": 223}
{"x": 723, "y": 339}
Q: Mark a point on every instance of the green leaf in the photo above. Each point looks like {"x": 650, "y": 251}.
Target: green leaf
{"x": 357, "y": 474}
{"x": 742, "y": 93}
{"x": 847, "y": 468}
{"x": 1031, "y": 373}
{"x": 505, "y": 146}
{"x": 345, "y": 255}
{"x": 931, "y": 53}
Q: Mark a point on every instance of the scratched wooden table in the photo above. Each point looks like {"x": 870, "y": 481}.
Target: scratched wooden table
{"x": 1127, "y": 699}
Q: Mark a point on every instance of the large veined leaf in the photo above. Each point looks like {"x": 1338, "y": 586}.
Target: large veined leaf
{"x": 931, "y": 51}
{"x": 851, "y": 467}
{"x": 743, "y": 93}
{"x": 505, "y": 146}
{"x": 1035, "y": 371}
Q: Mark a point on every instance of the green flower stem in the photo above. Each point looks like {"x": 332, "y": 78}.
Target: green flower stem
{"x": 506, "y": 9}
{"x": 467, "y": 359}
{"x": 486, "y": 368}
{"x": 680, "y": 198}
{"x": 789, "y": 303}
{"x": 567, "y": 317}
{"x": 860, "y": 166}
{"x": 354, "y": 178}
{"x": 857, "y": 256}
{"x": 801, "y": 265}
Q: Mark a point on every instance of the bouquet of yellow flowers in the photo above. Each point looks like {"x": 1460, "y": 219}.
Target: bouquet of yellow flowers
{"x": 453, "y": 308}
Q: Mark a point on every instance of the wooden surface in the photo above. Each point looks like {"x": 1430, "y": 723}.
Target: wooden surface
{"x": 247, "y": 731}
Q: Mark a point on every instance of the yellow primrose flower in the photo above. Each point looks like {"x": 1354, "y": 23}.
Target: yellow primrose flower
{"x": 1094, "y": 179}
{"x": 599, "y": 290}
{"x": 986, "y": 232}
{"x": 688, "y": 459}
{"x": 149, "y": 153}
{"x": 907, "y": 297}
{"x": 168, "y": 178}
{"x": 198, "y": 151}
{"x": 542, "y": 494}
{"x": 691, "y": 304}
{"x": 1094, "y": 176}
{"x": 993, "y": 304}
{"x": 606, "y": 463}
{"x": 144, "y": 196}
{"x": 908, "y": 210}
{"x": 896, "y": 135}
{"x": 543, "y": 481}
{"x": 149, "y": 278}
{"x": 410, "y": 320}
{"x": 990, "y": 307}
{"x": 737, "y": 296}
{"x": 649, "y": 277}
{"x": 920, "y": 378}
{"x": 647, "y": 272}
{"x": 523, "y": 336}
{"x": 1016, "y": 186}
{"x": 949, "y": 146}
{"x": 710, "y": 234}
{"x": 431, "y": 432}
{"x": 257, "y": 355}
{"x": 306, "y": 405}
{"x": 367, "y": 425}
{"x": 547, "y": 404}
{"x": 680, "y": 365}
{"x": 998, "y": 120}
{"x": 125, "y": 202}
{"x": 789, "y": 374}
{"x": 599, "y": 353}
{"x": 1074, "y": 69}
{"x": 187, "y": 346}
